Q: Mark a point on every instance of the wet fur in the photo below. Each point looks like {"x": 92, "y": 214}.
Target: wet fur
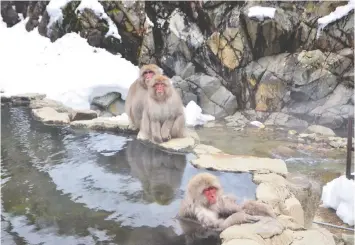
{"x": 134, "y": 104}
{"x": 225, "y": 212}
{"x": 163, "y": 116}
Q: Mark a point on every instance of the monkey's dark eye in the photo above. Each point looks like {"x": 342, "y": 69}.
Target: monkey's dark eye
{"x": 147, "y": 72}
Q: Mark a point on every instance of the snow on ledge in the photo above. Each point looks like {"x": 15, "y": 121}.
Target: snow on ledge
{"x": 337, "y": 14}
{"x": 338, "y": 194}
{"x": 54, "y": 10}
{"x": 261, "y": 12}
{"x": 99, "y": 11}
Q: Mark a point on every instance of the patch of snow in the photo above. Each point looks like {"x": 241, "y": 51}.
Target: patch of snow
{"x": 261, "y": 12}
{"x": 161, "y": 21}
{"x": 2, "y": 23}
{"x": 54, "y": 10}
{"x": 149, "y": 22}
{"x": 191, "y": 33}
{"x": 337, "y": 14}
{"x": 99, "y": 11}
{"x": 194, "y": 116}
{"x": 68, "y": 70}
{"x": 338, "y": 194}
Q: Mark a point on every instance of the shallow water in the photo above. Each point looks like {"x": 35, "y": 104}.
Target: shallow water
{"x": 64, "y": 186}
{"x": 325, "y": 165}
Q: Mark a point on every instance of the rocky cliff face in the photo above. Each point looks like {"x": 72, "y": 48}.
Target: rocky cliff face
{"x": 220, "y": 56}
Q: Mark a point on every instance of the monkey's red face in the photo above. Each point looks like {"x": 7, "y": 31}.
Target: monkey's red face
{"x": 148, "y": 74}
{"x": 159, "y": 88}
{"x": 211, "y": 194}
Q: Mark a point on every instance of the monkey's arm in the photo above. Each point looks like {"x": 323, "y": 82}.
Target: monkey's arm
{"x": 209, "y": 218}
{"x": 166, "y": 129}
{"x": 178, "y": 128}
{"x": 227, "y": 204}
{"x": 257, "y": 208}
{"x": 145, "y": 125}
{"x": 155, "y": 128}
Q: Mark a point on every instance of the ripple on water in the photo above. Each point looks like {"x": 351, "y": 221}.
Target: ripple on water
{"x": 80, "y": 187}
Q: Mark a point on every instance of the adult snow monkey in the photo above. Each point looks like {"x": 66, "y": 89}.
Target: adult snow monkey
{"x": 206, "y": 203}
{"x": 134, "y": 104}
{"x": 163, "y": 115}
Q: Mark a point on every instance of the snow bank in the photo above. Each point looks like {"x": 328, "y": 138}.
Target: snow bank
{"x": 338, "y": 194}
{"x": 337, "y": 14}
{"x": 261, "y": 12}
{"x": 98, "y": 9}
{"x": 68, "y": 70}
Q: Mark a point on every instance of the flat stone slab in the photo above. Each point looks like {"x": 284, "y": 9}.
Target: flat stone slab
{"x": 235, "y": 163}
{"x": 104, "y": 123}
{"x": 179, "y": 144}
{"x": 58, "y": 106}
{"x": 49, "y": 115}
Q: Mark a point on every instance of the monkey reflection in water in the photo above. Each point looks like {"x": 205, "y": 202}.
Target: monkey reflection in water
{"x": 159, "y": 172}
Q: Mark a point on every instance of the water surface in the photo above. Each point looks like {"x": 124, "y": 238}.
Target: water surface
{"x": 65, "y": 186}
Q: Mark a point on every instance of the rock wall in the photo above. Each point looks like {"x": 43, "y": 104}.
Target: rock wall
{"x": 220, "y": 57}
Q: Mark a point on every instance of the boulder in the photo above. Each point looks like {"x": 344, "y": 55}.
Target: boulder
{"x": 56, "y": 105}
{"x": 285, "y": 120}
{"x": 214, "y": 98}
{"x": 319, "y": 129}
{"x": 308, "y": 192}
{"x": 49, "y": 115}
{"x": 83, "y": 115}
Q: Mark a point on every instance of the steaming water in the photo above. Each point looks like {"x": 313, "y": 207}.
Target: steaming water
{"x": 61, "y": 186}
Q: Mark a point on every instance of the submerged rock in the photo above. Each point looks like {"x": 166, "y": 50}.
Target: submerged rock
{"x": 50, "y": 116}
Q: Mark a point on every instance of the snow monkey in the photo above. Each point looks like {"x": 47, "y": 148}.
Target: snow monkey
{"x": 163, "y": 114}
{"x": 134, "y": 104}
{"x": 206, "y": 203}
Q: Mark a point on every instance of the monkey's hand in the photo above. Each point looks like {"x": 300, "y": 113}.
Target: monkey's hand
{"x": 165, "y": 135}
{"x": 240, "y": 218}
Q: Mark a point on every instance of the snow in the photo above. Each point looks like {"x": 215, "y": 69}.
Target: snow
{"x": 338, "y": 194}
{"x": 54, "y": 10}
{"x": 99, "y": 11}
{"x": 191, "y": 33}
{"x": 194, "y": 115}
{"x": 337, "y": 14}
{"x": 68, "y": 70}
{"x": 149, "y": 22}
{"x": 261, "y": 12}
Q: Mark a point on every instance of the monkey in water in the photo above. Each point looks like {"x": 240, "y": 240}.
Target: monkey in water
{"x": 206, "y": 203}
{"x": 134, "y": 104}
{"x": 163, "y": 115}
